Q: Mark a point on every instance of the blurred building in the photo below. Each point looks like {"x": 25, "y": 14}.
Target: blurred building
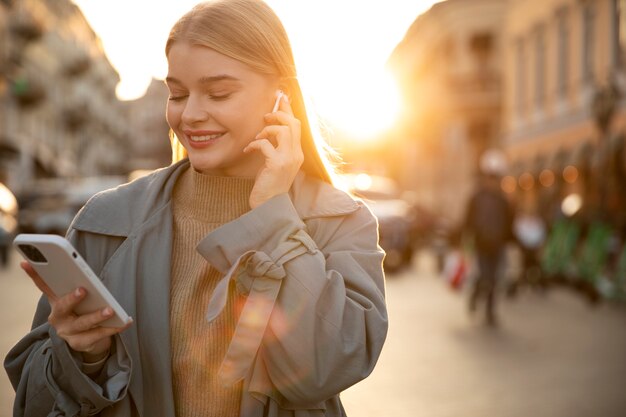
{"x": 541, "y": 79}
{"x": 150, "y": 145}
{"x": 564, "y": 115}
{"x": 59, "y": 115}
{"x": 449, "y": 67}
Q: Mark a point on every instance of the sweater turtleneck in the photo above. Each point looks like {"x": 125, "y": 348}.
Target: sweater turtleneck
{"x": 201, "y": 203}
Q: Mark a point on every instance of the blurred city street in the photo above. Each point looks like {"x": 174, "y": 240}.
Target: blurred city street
{"x": 553, "y": 354}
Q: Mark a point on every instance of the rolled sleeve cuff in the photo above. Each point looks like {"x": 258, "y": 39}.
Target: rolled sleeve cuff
{"x": 91, "y": 368}
{"x": 66, "y": 377}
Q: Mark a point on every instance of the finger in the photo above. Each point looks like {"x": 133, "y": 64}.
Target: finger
{"x": 65, "y": 305}
{"x": 85, "y": 341}
{"x": 39, "y": 282}
{"x": 89, "y": 321}
{"x": 279, "y": 133}
{"x": 263, "y": 145}
{"x": 279, "y": 118}
{"x": 286, "y": 119}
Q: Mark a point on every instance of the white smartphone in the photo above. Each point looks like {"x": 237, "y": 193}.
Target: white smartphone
{"x": 63, "y": 270}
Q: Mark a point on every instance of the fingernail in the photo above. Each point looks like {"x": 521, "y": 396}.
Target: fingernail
{"x": 107, "y": 311}
{"x": 78, "y": 292}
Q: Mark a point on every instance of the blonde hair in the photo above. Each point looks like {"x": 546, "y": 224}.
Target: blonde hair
{"x": 250, "y": 32}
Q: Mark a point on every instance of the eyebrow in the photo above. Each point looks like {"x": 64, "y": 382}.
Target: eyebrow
{"x": 206, "y": 80}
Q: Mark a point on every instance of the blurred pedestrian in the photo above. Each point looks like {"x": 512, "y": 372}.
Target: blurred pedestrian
{"x": 530, "y": 232}
{"x": 489, "y": 223}
{"x": 246, "y": 223}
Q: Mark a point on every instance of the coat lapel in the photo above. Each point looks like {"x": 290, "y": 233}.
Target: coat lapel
{"x": 139, "y": 277}
{"x": 153, "y": 246}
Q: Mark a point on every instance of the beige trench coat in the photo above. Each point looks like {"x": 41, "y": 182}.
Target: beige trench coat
{"x": 313, "y": 324}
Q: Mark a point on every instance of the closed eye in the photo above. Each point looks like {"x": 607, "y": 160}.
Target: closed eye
{"x": 177, "y": 98}
{"x": 219, "y": 97}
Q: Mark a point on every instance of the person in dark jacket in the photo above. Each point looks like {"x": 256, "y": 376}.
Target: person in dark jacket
{"x": 489, "y": 222}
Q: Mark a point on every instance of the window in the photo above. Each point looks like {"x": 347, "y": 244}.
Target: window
{"x": 588, "y": 41}
{"x": 520, "y": 76}
{"x": 563, "y": 52}
{"x": 481, "y": 44}
{"x": 540, "y": 66}
{"x": 618, "y": 8}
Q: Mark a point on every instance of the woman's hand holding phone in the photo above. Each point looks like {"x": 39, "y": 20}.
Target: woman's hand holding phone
{"x": 80, "y": 332}
{"x": 282, "y": 160}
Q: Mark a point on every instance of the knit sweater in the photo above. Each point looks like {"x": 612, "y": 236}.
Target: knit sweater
{"x": 202, "y": 203}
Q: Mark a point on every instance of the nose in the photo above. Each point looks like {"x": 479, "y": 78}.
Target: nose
{"x": 194, "y": 111}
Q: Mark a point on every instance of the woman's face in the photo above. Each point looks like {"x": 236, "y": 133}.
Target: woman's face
{"x": 216, "y": 108}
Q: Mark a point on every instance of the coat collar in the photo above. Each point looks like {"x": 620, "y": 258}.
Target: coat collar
{"x": 121, "y": 211}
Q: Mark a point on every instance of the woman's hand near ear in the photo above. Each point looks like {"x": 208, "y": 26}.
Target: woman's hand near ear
{"x": 283, "y": 161}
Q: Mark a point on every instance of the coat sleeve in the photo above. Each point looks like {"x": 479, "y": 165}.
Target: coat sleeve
{"x": 324, "y": 300}
{"x": 48, "y": 376}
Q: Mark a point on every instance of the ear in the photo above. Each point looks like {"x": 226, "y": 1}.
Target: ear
{"x": 285, "y": 86}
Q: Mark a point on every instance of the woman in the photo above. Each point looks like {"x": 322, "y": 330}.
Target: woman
{"x": 246, "y": 223}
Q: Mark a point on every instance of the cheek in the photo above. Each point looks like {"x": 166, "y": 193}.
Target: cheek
{"x": 249, "y": 119}
{"x": 171, "y": 115}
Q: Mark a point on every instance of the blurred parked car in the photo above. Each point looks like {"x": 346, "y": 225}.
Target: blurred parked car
{"x": 8, "y": 222}
{"x": 403, "y": 224}
{"x": 50, "y": 205}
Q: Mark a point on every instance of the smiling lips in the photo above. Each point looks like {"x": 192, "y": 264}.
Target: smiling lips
{"x": 204, "y": 136}
{"x": 199, "y": 139}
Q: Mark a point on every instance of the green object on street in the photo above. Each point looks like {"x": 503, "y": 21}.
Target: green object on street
{"x": 20, "y": 86}
{"x": 594, "y": 252}
{"x": 558, "y": 256}
{"x": 619, "y": 278}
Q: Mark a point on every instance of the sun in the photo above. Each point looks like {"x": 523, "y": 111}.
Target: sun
{"x": 362, "y": 106}
{"x": 341, "y": 65}
{"x": 342, "y": 61}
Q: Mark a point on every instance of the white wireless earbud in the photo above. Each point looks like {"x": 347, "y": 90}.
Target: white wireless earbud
{"x": 278, "y": 98}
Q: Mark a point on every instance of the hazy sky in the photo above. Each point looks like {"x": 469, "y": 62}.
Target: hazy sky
{"x": 340, "y": 45}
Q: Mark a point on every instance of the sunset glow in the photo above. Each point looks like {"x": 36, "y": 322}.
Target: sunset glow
{"x": 341, "y": 47}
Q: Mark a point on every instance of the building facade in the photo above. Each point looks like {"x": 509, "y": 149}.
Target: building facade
{"x": 541, "y": 79}
{"x": 449, "y": 68}
{"x": 59, "y": 115}
{"x": 150, "y": 147}
{"x": 565, "y": 111}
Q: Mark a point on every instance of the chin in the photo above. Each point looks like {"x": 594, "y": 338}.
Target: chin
{"x": 202, "y": 163}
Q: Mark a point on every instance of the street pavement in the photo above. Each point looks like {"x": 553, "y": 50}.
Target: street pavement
{"x": 553, "y": 355}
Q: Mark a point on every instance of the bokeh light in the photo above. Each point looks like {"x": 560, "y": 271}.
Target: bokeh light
{"x": 508, "y": 184}
{"x": 571, "y": 204}
{"x": 570, "y": 174}
{"x": 526, "y": 181}
{"x": 546, "y": 178}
